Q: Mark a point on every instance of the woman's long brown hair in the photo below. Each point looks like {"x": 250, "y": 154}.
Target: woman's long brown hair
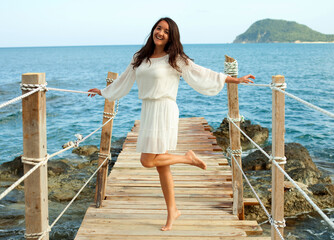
{"x": 174, "y": 46}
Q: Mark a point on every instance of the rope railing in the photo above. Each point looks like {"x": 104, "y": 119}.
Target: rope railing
{"x": 67, "y": 90}
{"x": 71, "y": 145}
{"x": 33, "y": 89}
{"x": 29, "y": 87}
{"x": 322, "y": 214}
{"x": 310, "y": 105}
{"x": 270, "y": 219}
{"x": 41, "y": 235}
{"x": 14, "y": 100}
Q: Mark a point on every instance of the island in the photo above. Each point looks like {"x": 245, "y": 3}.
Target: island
{"x": 281, "y": 31}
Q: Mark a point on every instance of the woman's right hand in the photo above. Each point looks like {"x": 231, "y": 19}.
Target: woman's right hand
{"x": 94, "y": 92}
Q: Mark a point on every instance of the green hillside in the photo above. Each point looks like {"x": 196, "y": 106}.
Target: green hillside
{"x": 270, "y": 30}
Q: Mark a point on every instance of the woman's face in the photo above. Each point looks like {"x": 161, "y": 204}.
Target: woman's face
{"x": 161, "y": 34}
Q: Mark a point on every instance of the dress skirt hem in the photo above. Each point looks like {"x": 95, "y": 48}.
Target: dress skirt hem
{"x": 158, "y": 128}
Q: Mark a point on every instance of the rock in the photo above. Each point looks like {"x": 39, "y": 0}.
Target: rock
{"x": 299, "y": 163}
{"x": 318, "y": 189}
{"x": 57, "y": 167}
{"x": 62, "y": 194}
{"x": 14, "y": 167}
{"x": 255, "y": 132}
{"x": 86, "y": 150}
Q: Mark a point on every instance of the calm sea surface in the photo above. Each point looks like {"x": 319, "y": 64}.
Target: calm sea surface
{"x": 308, "y": 70}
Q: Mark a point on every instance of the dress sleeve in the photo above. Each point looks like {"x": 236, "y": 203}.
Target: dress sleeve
{"x": 121, "y": 86}
{"x": 201, "y": 79}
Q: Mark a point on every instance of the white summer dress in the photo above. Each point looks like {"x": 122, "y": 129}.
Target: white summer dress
{"x": 158, "y": 84}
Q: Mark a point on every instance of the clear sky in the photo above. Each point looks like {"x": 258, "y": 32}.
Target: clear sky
{"x": 114, "y": 22}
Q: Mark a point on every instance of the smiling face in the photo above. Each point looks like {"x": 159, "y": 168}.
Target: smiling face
{"x": 161, "y": 34}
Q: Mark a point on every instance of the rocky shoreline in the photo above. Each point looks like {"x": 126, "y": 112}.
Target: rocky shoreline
{"x": 300, "y": 167}
{"x": 66, "y": 176}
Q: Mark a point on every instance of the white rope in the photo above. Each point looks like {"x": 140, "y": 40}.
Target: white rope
{"x": 72, "y": 145}
{"x": 231, "y": 68}
{"x": 30, "y": 86}
{"x": 271, "y": 221}
{"x": 14, "y": 100}
{"x": 322, "y": 214}
{"x": 236, "y": 152}
{"x": 256, "y": 85}
{"x": 66, "y": 90}
{"x": 14, "y": 185}
{"x": 290, "y": 179}
{"x": 305, "y": 103}
{"x": 70, "y": 203}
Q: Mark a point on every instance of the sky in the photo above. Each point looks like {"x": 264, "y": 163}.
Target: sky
{"x": 25, "y": 23}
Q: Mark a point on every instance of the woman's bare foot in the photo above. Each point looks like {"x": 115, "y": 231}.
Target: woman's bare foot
{"x": 170, "y": 220}
{"x": 196, "y": 161}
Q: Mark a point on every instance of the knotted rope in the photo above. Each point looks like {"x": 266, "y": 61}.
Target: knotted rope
{"x": 231, "y": 68}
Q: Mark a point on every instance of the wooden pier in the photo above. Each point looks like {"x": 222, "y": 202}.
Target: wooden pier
{"x": 134, "y": 206}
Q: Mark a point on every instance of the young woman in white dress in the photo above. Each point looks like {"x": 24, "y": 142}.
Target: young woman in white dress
{"x": 157, "y": 68}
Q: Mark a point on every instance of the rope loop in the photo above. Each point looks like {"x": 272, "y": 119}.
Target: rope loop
{"x": 34, "y": 161}
{"x": 231, "y": 68}
{"x": 110, "y": 80}
{"x": 278, "y": 85}
{"x": 105, "y": 155}
{"x": 112, "y": 115}
{"x": 241, "y": 119}
{"x": 279, "y": 160}
{"x": 39, "y": 235}
{"x": 106, "y": 115}
{"x": 276, "y": 223}
{"x": 30, "y": 87}
{"x": 236, "y": 152}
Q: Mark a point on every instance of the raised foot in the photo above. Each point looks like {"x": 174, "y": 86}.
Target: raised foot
{"x": 170, "y": 220}
{"x": 196, "y": 161}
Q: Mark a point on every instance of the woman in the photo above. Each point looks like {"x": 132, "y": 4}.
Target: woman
{"x": 157, "y": 68}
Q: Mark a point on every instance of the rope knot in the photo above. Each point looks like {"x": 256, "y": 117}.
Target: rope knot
{"x": 241, "y": 119}
{"x": 30, "y": 87}
{"x": 278, "y": 85}
{"x": 104, "y": 155}
{"x": 235, "y": 152}
{"x": 279, "y": 160}
{"x": 34, "y": 161}
{"x": 231, "y": 68}
{"x": 110, "y": 80}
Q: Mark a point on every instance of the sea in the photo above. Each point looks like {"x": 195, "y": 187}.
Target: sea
{"x": 308, "y": 70}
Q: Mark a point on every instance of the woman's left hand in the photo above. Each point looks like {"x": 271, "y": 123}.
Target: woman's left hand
{"x": 246, "y": 79}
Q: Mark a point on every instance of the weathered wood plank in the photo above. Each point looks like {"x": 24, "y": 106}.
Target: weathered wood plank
{"x": 135, "y": 208}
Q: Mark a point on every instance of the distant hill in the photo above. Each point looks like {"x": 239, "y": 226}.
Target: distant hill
{"x": 270, "y": 30}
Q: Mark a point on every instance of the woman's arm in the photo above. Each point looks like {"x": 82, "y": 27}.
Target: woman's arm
{"x": 244, "y": 79}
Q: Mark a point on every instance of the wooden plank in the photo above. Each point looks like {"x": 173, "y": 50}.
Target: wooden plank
{"x": 135, "y": 208}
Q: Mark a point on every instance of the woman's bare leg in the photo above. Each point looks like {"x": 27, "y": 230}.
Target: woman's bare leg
{"x": 167, "y": 186}
{"x": 159, "y": 160}
{"x": 162, "y": 162}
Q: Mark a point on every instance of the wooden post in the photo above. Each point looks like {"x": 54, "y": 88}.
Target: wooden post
{"x": 106, "y": 134}
{"x": 35, "y": 149}
{"x": 233, "y": 112}
{"x": 278, "y": 129}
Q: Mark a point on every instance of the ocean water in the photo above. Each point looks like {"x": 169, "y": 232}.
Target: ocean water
{"x": 308, "y": 71}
